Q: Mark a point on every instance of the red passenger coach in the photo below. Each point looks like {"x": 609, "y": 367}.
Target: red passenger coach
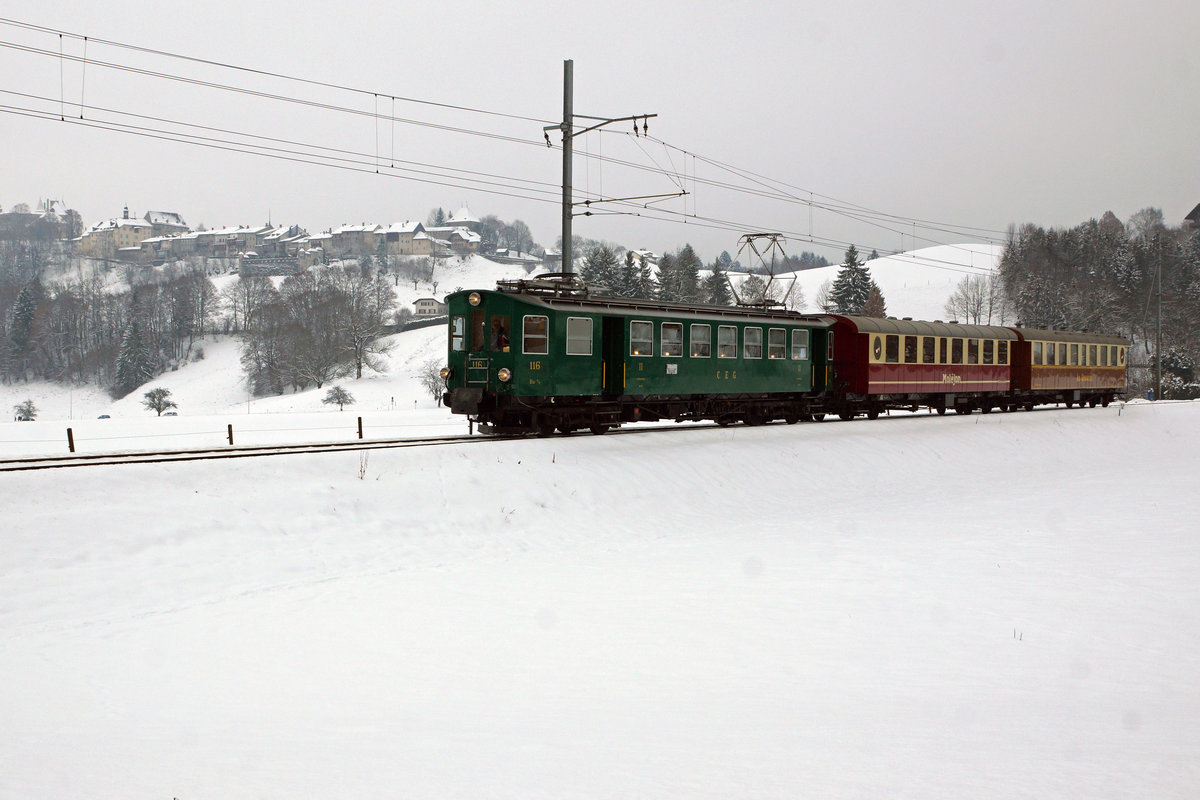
{"x": 893, "y": 363}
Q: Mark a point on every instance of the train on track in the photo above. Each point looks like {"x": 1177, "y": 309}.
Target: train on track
{"x": 546, "y": 354}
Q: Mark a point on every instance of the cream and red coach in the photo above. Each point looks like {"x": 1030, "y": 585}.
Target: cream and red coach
{"x": 1068, "y": 367}
{"x": 898, "y": 363}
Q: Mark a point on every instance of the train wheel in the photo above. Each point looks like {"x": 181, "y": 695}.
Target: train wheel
{"x": 545, "y": 428}
{"x": 941, "y": 410}
{"x": 986, "y": 408}
{"x": 791, "y": 419}
{"x": 845, "y": 416}
{"x": 753, "y": 418}
{"x": 599, "y": 430}
{"x": 1105, "y": 401}
{"x": 566, "y": 430}
{"x": 1070, "y": 403}
{"x": 1029, "y": 406}
{"x": 873, "y": 413}
{"x": 963, "y": 409}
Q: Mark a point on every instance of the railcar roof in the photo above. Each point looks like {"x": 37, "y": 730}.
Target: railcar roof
{"x": 920, "y": 328}
{"x": 1070, "y": 336}
{"x": 600, "y": 305}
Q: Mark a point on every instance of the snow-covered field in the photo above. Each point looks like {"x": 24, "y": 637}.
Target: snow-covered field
{"x": 999, "y": 606}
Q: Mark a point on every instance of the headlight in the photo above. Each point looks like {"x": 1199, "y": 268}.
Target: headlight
{"x": 473, "y": 298}
{"x": 504, "y": 373}
{"x": 446, "y": 373}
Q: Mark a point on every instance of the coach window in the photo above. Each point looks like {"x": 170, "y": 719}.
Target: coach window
{"x": 956, "y": 349}
{"x": 672, "y": 339}
{"x": 536, "y": 332}
{"x": 988, "y": 351}
{"x": 891, "y": 348}
{"x": 877, "y": 348}
{"x": 943, "y": 350}
{"x": 458, "y": 333}
{"x": 701, "y": 341}
{"x": 752, "y": 343}
{"x": 928, "y": 350}
{"x": 1104, "y": 356}
{"x": 1037, "y": 354}
{"x": 1074, "y": 355}
{"x": 910, "y": 349}
{"x": 972, "y": 351}
{"x": 579, "y": 336}
{"x": 726, "y": 341}
{"x": 776, "y": 343}
{"x": 799, "y": 344}
{"x": 1062, "y": 355}
{"x": 641, "y": 338}
{"x": 1092, "y": 355}
{"x": 1002, "y": 352}
{"x": 1121, "y": 352}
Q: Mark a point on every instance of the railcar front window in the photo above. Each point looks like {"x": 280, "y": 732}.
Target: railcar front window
{"x": 776, "y": 343}
{"x": 458, "y": 334}
{"x": 799, "y": 345}
{"x": 500, "y": 333}
{"x": 536, "y": 335}
{"x": 701, "y": 340}
{"x": 641, "y": 338}
{"x": 579, "y": 336}
{"x": 726, "y": 341}
{"x": 672, "y": 339}
{"x": 478, "y": 329}
{"x": 752, "y": 344}
{"x": 972, "y": 351}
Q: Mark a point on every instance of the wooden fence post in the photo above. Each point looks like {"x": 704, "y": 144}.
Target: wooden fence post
{"x": 70, "y": 440}
{"x": 231, "y": 433}
{"x": 360, "y": 427}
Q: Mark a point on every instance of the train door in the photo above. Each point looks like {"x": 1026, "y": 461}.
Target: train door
{"x": 613, "y": 351}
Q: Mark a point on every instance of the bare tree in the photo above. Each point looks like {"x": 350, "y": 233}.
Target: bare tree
{"x": 158, "y": 400}
{"x": 430, "y": 376}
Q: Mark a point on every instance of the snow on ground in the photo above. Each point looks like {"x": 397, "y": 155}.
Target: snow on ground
{"x": 999, "y": 606}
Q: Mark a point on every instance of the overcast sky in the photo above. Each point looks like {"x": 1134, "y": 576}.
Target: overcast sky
{"x": 972, "y": 114}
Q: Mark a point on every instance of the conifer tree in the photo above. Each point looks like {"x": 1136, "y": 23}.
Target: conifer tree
{"x": 875, "y": 306}
{"x": 133, "y": 360}
{"x": 716, "y": 286}
{"x": 853, "y": 284}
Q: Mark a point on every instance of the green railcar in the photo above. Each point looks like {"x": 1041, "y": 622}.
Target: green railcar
{"x": 543, "y": 354}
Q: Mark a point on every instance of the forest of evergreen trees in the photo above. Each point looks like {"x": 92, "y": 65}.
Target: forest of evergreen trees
{"x": 1103, "y": 276}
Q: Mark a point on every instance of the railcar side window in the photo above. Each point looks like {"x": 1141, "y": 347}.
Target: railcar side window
{"x": 944, "y": 355}
{"x": 829, "y": 347}
{"x": 1062, "y": 355}
{"x": 458, "y": 334}
{"x": 1051, "y": 351}
{"x": 1104, "y": 356}
{"x": 672, "y": 339}
{"x": 1074, "y": 355}
{"x": 1002, "y": 352}
{"x": 726, "y": 341}
{"x": 956, "y": 349}
{"x": 1037, "y": 354}
{"x": 641, "y": 338}
{"x": 1092, "y": 355}
{"x": 776, "y": 343}
{"x": 891, "y": 349}
{"x": 536, "y": 335}
{"x": 928, "y": 350}
{"x": 752, "y": 343}
{"x": 701, "y": 341}
{"x": 910, "y": 349}
{"x": 972, "y": 351}
{"x": 1121, "y": 351}
{"x": 579, "y": 336}
{"x": 988, "y": 347}
{"x": 799, "y": 344}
